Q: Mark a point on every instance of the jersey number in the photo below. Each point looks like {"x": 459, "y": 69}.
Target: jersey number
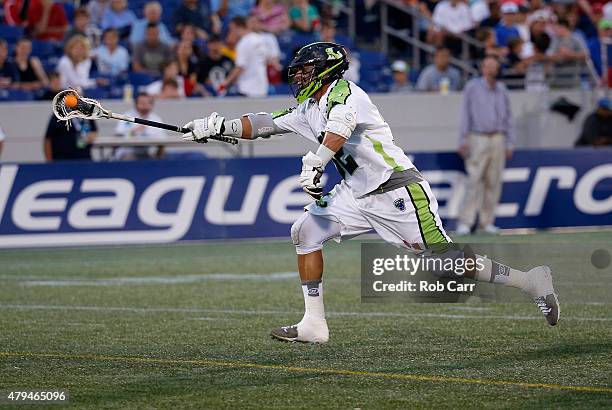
{"x": 344, "y": 162}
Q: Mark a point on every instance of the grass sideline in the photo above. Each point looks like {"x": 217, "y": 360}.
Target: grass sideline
{"x": 186, "y": 326}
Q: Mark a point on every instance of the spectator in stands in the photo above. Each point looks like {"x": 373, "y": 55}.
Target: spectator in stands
{"x": 485, "y": 142}
{"x": 55, "y": 86}
{"x": 228, "y": 10}
{"x": 514, "y": 61}
{"x": 151, "y": 55}
{"x": 538, "y": 64}
{"x": 152, "y": 15}
{"x": 119, "y": 17}
{"x": 304, "y": 16}
{"x": 187, "y": 66}
{"x": 82, "y": 25}
{"x": 189, "y": 35}
{"x": 494, "y": 15}
{"x": 2, "y": 138}
{"x": 112, "y": 58}
{"x": 440, "y": 76}
{"x": 605, "y": 31}
{"x": 43, "y": 19}
{"x": 68, "y": 143}
{"x": 8, "y": 71}
{"x": 328, "y": 34}
{"x": 170, "y": 90}
{"x": 507, "y": 29}
{"x": 486, "y": 35}
{"x": 272, "y": 50}
{"x": 30, "y": 72}
{"x": 401, "y": 82}
{"x": 272, "y": 16}
{"x": 451, "y": 17}
{"x": 479, "y": 9}
{"x": 250, "y": 73}
{"x": 170, "y": 71}
{"x": 214, "y": 68}
{"x": 96, "y": 10}
{"x": 75, "y": 65}
{"x": 191, "y": 12}
{"x": 597, "y": 126}
{"x": 568, "y": 48}
{"x": 143, "y": 108}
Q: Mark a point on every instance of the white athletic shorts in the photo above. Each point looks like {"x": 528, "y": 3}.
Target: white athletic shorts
{"x": 406, "y": 217}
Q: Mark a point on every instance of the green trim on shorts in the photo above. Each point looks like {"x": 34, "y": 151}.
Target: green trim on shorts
{"x": 430, "y": 231}
{"x": 388, "y": 158}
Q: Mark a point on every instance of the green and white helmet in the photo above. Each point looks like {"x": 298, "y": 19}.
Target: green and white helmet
{"x": 315, "y": 65}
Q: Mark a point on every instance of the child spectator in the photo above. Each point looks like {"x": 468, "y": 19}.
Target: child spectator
{"x": 304, "y": 16}
{"x": 170, "y": 90}
{"x": 401, "y": 82}
{"x": 112, "y": 58}
{"x": 8, "y": 72}
{"x": 118, "y": 16}
{"x": 83, "y": 26}
{"x": 170, "y": 72}
{"x": 152, "y": 15}
{"x": 151, "y": 55}
{"x": 567, "y": 48}
{"x": 55, "y": 86}
{"x": 272, "y": 16}
{"x": 30, "y": 72}
{"x": 486, "y": 35}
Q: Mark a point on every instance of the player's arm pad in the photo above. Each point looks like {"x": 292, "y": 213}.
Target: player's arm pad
{"x": 263, "y": 125}
{"x": 342, "y": 120}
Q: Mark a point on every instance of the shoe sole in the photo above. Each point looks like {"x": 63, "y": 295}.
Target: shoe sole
{"x": 553, "y": 317}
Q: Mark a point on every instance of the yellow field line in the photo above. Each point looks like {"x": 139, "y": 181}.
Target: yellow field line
{"x": 339, "y": 372}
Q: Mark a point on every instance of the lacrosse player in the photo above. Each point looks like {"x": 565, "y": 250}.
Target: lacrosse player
{"x": 381, "y": 188}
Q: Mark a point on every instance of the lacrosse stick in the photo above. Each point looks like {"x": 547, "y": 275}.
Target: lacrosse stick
{"x": 69, "y": 104}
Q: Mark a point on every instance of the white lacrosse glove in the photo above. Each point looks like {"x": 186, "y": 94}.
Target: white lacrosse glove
{"x": 203, "y": 129}
{"x": 310, "y": 178}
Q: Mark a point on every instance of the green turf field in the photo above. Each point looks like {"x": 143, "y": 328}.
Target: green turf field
{"x": 186, "y": 326}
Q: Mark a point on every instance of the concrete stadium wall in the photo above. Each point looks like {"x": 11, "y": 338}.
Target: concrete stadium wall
{"x": 420, "y": 122}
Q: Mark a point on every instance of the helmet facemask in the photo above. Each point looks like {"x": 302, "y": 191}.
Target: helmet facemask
{"x": 306, "y": 79}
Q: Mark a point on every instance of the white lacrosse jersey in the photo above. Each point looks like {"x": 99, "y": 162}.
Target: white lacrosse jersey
{"x": 369, "y": 156}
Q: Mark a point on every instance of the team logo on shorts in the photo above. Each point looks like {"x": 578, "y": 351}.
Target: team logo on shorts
{"x": 400, "y": 204}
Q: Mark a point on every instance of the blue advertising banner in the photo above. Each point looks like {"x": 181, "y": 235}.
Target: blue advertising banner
{"x": 87, "y": 203}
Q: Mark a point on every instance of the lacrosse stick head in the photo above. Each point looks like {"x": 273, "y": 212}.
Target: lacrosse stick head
{"x": 68, "y": 104}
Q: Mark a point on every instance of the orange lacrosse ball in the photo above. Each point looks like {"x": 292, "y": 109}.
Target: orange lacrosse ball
{"x": 70, "y": 100}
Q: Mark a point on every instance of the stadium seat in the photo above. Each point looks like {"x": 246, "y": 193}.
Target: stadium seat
{"x": 10, "y": 33}
{"x": 16, "y": 95}
{"x": 139, "y": 79}
{"x": 97, "y": 93}
{"x": 46, "y": 49}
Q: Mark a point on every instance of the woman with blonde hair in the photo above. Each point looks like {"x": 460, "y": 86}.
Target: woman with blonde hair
{"x": 75, "y": 64}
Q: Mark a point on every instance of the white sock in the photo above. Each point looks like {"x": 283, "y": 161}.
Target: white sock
{"x": 313, "y": 300}
{"x": 495, "y": 272}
